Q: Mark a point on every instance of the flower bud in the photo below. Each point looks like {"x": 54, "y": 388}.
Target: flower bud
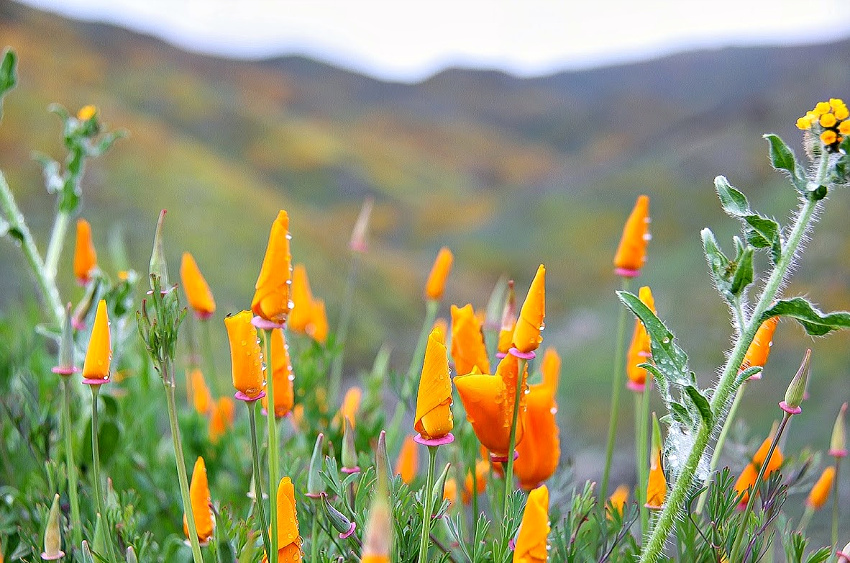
{"x": 341, "y": 524}
{"x": 361, "y": 227}
{"x": 820, "y": 491}
{"x": 315, "y": 483}
{"x": 797, "y": 388}
{"x": 85, "y": 256}
{"x": 158, "y": 266}
{"x": 408, "y": 460}
{"x": 436, "y": 283}
{"x": 65, "y": 365}
{"x": 52, "y": 534}
{"x": 349, "y": 451}
{"x": 382, "y": 458}
{"x": 838, "y": 442}
{"x": 131, "y": 555}
{"x": 87, "y": 554}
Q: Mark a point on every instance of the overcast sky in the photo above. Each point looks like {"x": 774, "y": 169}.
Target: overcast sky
{"x": 408, "y": 40}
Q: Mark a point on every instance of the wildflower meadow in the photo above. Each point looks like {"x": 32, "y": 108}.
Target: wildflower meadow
{"x": 124, "y": 439}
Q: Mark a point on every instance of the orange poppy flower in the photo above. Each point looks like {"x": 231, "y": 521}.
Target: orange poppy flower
{"x": 531, "y": 543}
{"x": 617, "y": 501}
{"x": 408, "y": 460}
{"x": 550, "y": 368}
{"x": 656, "y": 488}
{"x": 85, "y": 257}
{"x": 436, "y": 283}
{"x": 761, "y": 454}
{"x": 820, "y": 491}
{"x": 284, "y": 392}
{"x": 99, "y": 352}
{"x": 506, "y": 332}
{"x": 201, "y": 397}
{"x": 759, "y": 349}
{"x": 288, "y": 538}
{"x": 199, "y": 494}
{"x": 245, "y": 354}
{"x": 489, "y": 404}
{"x": 540, "y": 449}
{"x": 221, "y": 417}
{"x": 351, "y": 404}
{"x": 434, "y": 399}
{"x": 197, "y": 291}
{"x": 631, "y": 253}
{"x": 527, "y": 333}
{"x": 450, "y": 490}
{"x": 318, "y": 328}
{"x": 640, "y": 347}
{"x": 272, "y": 299}
{"x": 302, "y": 300}
{"x": 482, "y": 467}
{"x": 468, "y": 349}
{"x": 745, "y": 482}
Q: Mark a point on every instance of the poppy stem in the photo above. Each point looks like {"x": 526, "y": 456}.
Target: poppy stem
{"x": 76, "y": 523}
{"x": 805, "y": 519}
{"x": 618, "y": 382}
{"x": 272, "y": 431}
{"x": 98, "y": 489}
{"x": 314, "y": 533}
{"x": 258, "y": 487}
{"x": 57, "y": 240}
{"x": 426, "y": 500}
{"x": 168, "y": 378}
{"x": 835, "y": 504}
{"x": 209, "y": 360}
{"x": 736, "y": 546}
{"x": 642, "y": 452}
{"x": 342, "y": 330}
{"x": 509, "y": 470}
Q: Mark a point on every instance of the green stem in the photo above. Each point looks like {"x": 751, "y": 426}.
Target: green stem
{"x": 209, "y": 360}
{"x": 416, "y": 361}
{"x": 19, "y": 230}
{"x": 54, "y": 247}
{"x": 726, "y": 385}
{"x": 258, "y": 477}
{"x": 76, "y": 522}
{"x": 428, "y": 509}
{"x": 718, "y": 448}
{"x": 509, "y": 469}
{"x": 617, "y": 385}
{"x": 736, "y": 546}
{"x": 835, "y": 504}
{"x": 272, "y": 436}
{"x": 168, "y": 378}
{"x": 474, "y": 490}
{"x": 804, "y": 521}
{"x": 314, "y": 534}
{"x": 98, "y": 489}
{"x": 642, "y": 448}
{"x": 342, "y": 330}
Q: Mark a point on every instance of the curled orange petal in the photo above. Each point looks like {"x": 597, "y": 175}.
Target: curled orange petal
{"x": 617, "y": 500}
{"x": 468, "y": 349}
{"x": 284, "y": 392}
{"x": 527, "y": 332}
{"x": 550, "y": 368}
{"x": 245, "y": 354}
{"x": 656, "y": 489}
{"x": 272, "y": 299}
{"x": 745, "y": 481}
{"x": 820, "y": 491}
{"x": 434, "y": 399}
{"x": 531, "y": 543}
{"x": 199, "y": 494}
{"x": 631, "y": 253}
{"x": 99, "y": 352}
{"x": 436, "y": 284}
{"x": 197, "y": 291}
{"x": 85, "y": 257}
{"x": 759, "y": 349}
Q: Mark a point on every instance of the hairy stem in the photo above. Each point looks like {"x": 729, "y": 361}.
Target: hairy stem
{"x": 642, "y": 449}
{"x": 57, "y": 241}
{"x": 272, "y": 431}
{"x": 342, "y": 329}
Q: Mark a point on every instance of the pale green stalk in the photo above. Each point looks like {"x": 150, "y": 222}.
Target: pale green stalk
{"x": 428, "y": 509}
{"x": 416, "y": 361}
{"x": 726, "y": 385}
{"x": 806, "y": 518}
{"x": 642, "y": 449}
{"x": 509, "y": 469}
{"x": 342, "y": 330}
{"x": 57, "y": 240}
{"x": 617, "y": 385}
{"x": 835, "y": 504}
{"x": 98, "y": 489}
{"x": 18, "y": 225}
{"x": 71, "y": 466}
{"x": 258, "y": 477}
{"x": 314, "y": 533}
{"x": 209, "y": 360}
{"x": 272, "y": 431}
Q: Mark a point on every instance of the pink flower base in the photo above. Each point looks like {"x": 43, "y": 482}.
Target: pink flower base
{"x": 627, "y": 273}
{"x": 790, "y": 410}
{"x": 635, "y": 386}
{"x": 61, "y": 370}
{"x": 94, "y": 381}
{"x": 263, "y": 324}
{"x": 58, "y": 555}
{"x": 239, "y": 395}
{"x": 500, "y": 355}
{"x": 447, "y": 439}
{"x": 503, "y": 458}
{"x": 838, "y": 453}
{"x": 350, "y": 531}
{"x": 522, "y": 355}
{"x": 350, "y": 470}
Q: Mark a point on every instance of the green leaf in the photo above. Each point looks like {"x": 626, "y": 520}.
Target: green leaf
{"x": 701, "y": 403}
{"x": 718, "y": 263}
{"x": 814, "y": 321}
{"x": 782, "y": 158}
{"x": 8, "y": 75}
{"x": 734, "y": 202}
{"x": 763, "y": 232}
{"x": 681, "y": 414}
{"x": 660, "y": 381}
{"x": 743, "y": 273}
{"x": 746, "y": 374}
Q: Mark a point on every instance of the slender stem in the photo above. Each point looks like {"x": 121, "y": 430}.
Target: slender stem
{"x": 616, "y": 386}
{"x": 474, "y": 490}
{"x": 726, "y": 384}
{"x": 76, "y": 523}
{"x": 736, "y": 546}
{"x": 18, "y": 226}
{"x": 428, "y": 509}
{"x": 314, "y": 533}
{"x": 416, "y": 361}
{"x": 344, "y": 322}
{"x": 209, "y": 360}
{"x": 98, "y": 489}
{"x": 642, "y": 449}
{"x": 168, "y": 378}
{"x": 806, "y": 518}
{"x": 509, "y": 470}
{"x": 54, "y": 247}
{"x": 718, "y": 448}
{"x": 258, "y": 477}
{"x": 835, "y": 504}
{"x": 272, "y": 436}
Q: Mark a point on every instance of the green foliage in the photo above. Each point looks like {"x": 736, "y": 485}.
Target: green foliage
{"x": 815, "y": 322}
{"x": 8, "y": 75}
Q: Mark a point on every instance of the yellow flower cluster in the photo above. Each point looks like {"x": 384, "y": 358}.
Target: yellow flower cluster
{"x": 829, "y": 120}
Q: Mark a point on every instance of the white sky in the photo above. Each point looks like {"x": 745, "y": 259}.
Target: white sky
{"x": 408, "y": 40}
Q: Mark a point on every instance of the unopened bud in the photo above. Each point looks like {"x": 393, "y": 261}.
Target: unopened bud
{"x": 52, "y": 534}
{"x": 382, "y": 458}
{"x": 158, "y": 266}
{"x": 315, "y": 484}
{"x": 844, "y": 554}
{"x": 797, "y": 388}
{"x": 361, "y": 227}
{"x": 838, "y": 442}
{"x": 65, "y": 365}
{"x": 87, "y": 555}
{"x": 341, "y": 524}
{"x": 131, "y": 555}
{"x": 349, "y": 451}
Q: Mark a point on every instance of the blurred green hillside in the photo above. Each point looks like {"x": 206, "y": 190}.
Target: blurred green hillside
{"x": 507, "y": 172}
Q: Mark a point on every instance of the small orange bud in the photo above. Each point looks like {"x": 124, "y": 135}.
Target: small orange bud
{"x": 468, "y": 349}
{"x": 820, "y": 492}
{"x": 86, "y": 112}
{"x": 351, "y": 404}
{"x": 201, "y": 397}
{"x": 197, "y": 291}
{"x": 199, "y": 494}
{"x": 85, "y": 257}
{"x": 631, "y": 254}
{"x": 746, "y": 481}
{"x": 434, "y": 399}
{"x": 408, "y": 459}
{"x": 527, "y": 333}
{"x": 617, "y": 501}
{"x": 776, "y": 458}
{"x": 759, "y": 349}
{"x": 245, "y": 354}
{"x": 271, "y": 298}
{"x": 221, "y": 418}
{"x": 640, "y": 350}
{"x": 436, "y": 284}
{"x": 99, "y": 353}
{"x": 656, "y": 489}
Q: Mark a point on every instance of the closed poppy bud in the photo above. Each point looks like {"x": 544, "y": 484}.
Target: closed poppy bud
{"x": 99, "y": 353}
{"x": 506, "y": 332}
{"x": 531, "y": 543}
{"x": 85, "y": 257}
{"x": 201, "y": 397}
{"x": 272, "y": 296}
{"x": 776, "y": 458}
{"x": 302, "y": 300}
{"x": 450, "y": 490}
{"x": 838, "y": 440}
{"x": 656, "y": 489}
{"x": 359, "y": 233}
{"x": 315, "y": 483}
{"x": 640, "y": 350}
{"x": 318, "y": 327}
{"x": 820, "y": 492}
{"x": 247, "y": 368}
{"x": 288, "y": 538}
{"x": 52, "y": 534}
{"x": 436, "y": 284}
{"x": 434, "y": 399}
{"x": 408, "y": 459}
{"x": 617, "y": 501}
{"x": 759, "y": 349}
{"x": 351, "y": 404}
{"x": 631, "y": 253}
{"x": 349, "y": 451}
{"x": 377, "y": 538}
{"x": 197, "y": 291}
{"x": 527, "y": 333}
{"x": 199, "y": 494}
{"x": 284, "y": 392}
{"x": 221, "y": 418}
{"x": 796, "y": 391}
{"x": 540, "y": 449}
{"x": 745, "y": 482}
{"x": 468, "y": 349}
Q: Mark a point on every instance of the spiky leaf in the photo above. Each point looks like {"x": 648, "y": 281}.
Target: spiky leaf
{"x": 814, "y": 321}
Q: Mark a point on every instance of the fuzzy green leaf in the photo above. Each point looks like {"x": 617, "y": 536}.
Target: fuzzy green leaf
{"x": 717, "y": 261}
{"x": 782, "y": 158}
{"x": 746, "y": 374}
{"x": 763, "y": 232}
{"x": 701, "y": 403}
{"x": 733, "y": 201}
{"x": 743, "y": 273}
{"x": 814, "y": 321}
{"x": 681, "y": 414}
{"x": 660, "y": 380}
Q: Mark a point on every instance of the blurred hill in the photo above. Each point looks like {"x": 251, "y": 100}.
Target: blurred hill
{"x": 507, "y": 172}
